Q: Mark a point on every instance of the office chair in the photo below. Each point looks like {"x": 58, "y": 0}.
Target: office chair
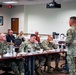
{"x": 17, "y": 44}
{"x": 64, "y": 65}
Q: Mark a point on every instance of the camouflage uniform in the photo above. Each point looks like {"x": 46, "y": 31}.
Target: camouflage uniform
{"x": 9, "y": 63}
{"x": 20, "y": 64}
{"x": 29, "y": 47}
{"x": 71, "y": 54}
{"x": 49, "y": 46}
{"x": 3, "y": 47}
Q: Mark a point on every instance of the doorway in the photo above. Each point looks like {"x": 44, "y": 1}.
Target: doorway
{"x": 15, "y": 25}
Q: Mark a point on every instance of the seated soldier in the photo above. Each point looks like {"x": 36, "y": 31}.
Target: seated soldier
{"x": 49, "y": 45}
{"x": 17, "y": 65}
{"x": 29, "y": 46}
{"x": 3, "y": 49}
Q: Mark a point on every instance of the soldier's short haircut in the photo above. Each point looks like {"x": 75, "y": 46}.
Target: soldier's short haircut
{"x": 33, "y": 35}
{"x": 73, "y": 17}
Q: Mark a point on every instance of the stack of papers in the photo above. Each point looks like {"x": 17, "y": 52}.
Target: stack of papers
{"x": 7, "y": 55}
{"x": 21, "y": 53}
{"x": 51, "y": 50}
{"x": 39, "y": 52}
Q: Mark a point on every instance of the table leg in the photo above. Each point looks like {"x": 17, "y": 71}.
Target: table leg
{"x": 32, "y": 65}
{"x": 28, "y": 72}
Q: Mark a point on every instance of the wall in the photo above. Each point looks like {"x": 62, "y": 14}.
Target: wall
{"x": 4, "y": 11}
{"x": 18, "y": 12}
{"x": 37, "y": 18}
{"x": 15, "y": 12}
{"x": 47, "y": 21}
{"x": 25, "y": 19}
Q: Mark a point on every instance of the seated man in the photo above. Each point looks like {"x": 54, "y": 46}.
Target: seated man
{"x": 21, "y": 36}
{"x": 3, "y": 49}
{"x": 29, "y": 46}
{"x": 10, "y": 38}
{"x": 49, "y": 45}
{"x": 37, "y": 36}
{"x": 17, "y": 65}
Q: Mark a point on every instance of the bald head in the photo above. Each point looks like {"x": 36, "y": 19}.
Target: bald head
{"x": 3, "y": 37}
{"x": 36, "y": 33}
{"x": 50, "y": 38}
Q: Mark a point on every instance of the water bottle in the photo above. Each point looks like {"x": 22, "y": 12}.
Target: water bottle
{"x": 13, "y": 51}
{"x": 11, "y": 48}
{"x": 62, "y": 49}
{"x": 22, "y": 50}
{"x": 57, "y": 50}
{"x": 8, "y": 51}
{"x": 31, "y": 50}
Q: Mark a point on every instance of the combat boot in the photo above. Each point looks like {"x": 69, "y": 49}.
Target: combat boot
{"x": 48, "y": 70}
{"x": 22, "y": 73}
{"x": 38, "y": 71}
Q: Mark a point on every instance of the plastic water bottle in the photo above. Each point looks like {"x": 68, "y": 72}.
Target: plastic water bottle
{"x": 8, "y": 51}
{"x": 31, "y": 50}
{"x": 11, "y": 48}
{"x": 62, "y": 49}
{"x": 22, "y": 50}
{"x": 13, "y": 51}
{"x": 57, "y": 50}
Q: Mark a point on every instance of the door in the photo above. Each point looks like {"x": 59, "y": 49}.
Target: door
{"x": 15, "y": 25}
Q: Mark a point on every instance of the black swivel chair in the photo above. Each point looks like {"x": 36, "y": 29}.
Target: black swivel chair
{"x": 17, "y": 44}
{"x": 64, "y": 65}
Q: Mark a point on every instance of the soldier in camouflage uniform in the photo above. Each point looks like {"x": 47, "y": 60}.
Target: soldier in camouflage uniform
{"x": 3, "y": 47}
{"x": 71, "y": 45}
{"x": 30, "y": 46}
{"x": 49, "y": 45}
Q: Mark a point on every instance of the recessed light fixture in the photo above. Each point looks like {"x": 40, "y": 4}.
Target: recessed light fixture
{"x": 10, "y": 2}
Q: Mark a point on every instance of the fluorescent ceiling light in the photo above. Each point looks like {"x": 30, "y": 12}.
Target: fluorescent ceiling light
{"x": 10, "y": 2}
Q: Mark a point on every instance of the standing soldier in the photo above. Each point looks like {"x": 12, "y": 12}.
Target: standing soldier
{"x": 71, "y": 45}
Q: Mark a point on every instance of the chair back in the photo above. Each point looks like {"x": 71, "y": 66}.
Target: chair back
{"x": 18, "y": 42}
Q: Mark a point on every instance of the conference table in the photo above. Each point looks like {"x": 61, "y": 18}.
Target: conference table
{"x": 30, "y": 57}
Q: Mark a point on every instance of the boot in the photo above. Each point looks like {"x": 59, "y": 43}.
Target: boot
{"x": 22, "y": 73}
{"x": 38, "y": 71}
{"x": 49, "y": 71}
